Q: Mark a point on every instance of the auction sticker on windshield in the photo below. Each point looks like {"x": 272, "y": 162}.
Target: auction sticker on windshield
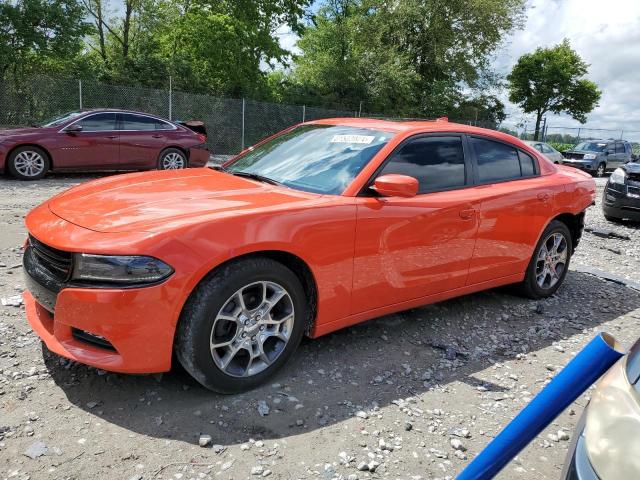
{"x": 366, "y": 139}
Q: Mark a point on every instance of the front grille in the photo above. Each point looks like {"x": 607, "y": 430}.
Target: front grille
{"x": 633, "y": 191}
{"x": 573, "y": 156}
{"x": 56, "y": 262}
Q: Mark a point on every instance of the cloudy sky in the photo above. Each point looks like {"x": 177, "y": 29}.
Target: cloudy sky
{"x": 607, "y": 36}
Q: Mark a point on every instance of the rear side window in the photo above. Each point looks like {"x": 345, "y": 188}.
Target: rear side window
{"x": 436, "y": 162}
{"x": 99, "y": 122}
{"x": 620, "y": 148}
{"x": 496, "y": 161}
{"x": 140, "y": 122}
{"x": 527, "y": 164}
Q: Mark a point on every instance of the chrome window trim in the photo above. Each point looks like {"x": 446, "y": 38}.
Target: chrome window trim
{"x": 173, "y": 126}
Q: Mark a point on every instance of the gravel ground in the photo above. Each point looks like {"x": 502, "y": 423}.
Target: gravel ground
{"x": 408, "y": 396}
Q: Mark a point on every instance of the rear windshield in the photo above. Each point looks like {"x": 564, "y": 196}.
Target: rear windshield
{"x": 314, "y": 158}
{"x": 591, "y": 146}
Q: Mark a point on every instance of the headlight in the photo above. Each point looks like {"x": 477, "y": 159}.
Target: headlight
{"x": 618, "y": 176}
{"x": 589, "y": 156}
{"x": 124, "y": 269}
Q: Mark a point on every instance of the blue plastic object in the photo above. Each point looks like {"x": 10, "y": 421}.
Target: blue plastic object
{"x": 585, "y": 368}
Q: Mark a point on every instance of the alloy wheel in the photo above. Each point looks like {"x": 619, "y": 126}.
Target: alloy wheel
{"x": 252, "y": 329}
{"x": 551, "y": 261}
{"x": 172, "y": 161}
{"x": 29, "y": 163}
{"x": 600, "y": 170}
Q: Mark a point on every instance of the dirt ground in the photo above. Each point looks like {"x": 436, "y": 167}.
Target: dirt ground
{"x": 395, "y": 394}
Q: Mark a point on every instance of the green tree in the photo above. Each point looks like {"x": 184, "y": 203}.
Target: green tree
{"x": 38, "y": 35}
{"x": 406, "y": 58}
{"x": 208, "y": 46}
{"x": 552, "y": 80}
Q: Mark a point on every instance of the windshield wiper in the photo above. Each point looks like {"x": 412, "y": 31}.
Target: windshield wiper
{"x": 254, "y": 176}
{"x": 251, "y": 175}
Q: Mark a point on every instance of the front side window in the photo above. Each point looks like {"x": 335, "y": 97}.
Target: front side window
{"x": 99, "y": 122}
{"x": 314, "y": 158}
{"x": 436, "y": 162}
{"x": 496, "y": 161}
{"x": 619, "y": 147}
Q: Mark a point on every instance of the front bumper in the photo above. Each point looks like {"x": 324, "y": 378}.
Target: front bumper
{"x": 587, "y": 165}
{"x": 120, "y": 329}
{"x": 128, "y": 331}
{"x": 577, "y": 465}
{"x": 616, "y": 203}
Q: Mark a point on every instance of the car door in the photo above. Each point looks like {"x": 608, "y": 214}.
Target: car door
{"x": 93, "y": 146}
{"x": 408, "y": 248}
{"x": 620, "y": 156}
{"x": 551, "y": 153}
{"x": 141, "y": 140}
{"x": 514, "y": 208}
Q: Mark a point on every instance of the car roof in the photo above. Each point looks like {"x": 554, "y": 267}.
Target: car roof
{"x": 118, "y": 110}
{"x": 413, "y": 126}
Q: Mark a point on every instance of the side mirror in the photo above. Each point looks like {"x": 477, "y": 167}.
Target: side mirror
{"x": 393, "y": 185}
{"x": 75, "y": 128}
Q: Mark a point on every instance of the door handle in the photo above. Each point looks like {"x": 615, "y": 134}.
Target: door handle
{"x": 543, "y": 197}
{"x": 112, "y": 136}
{"x": 156, "y": 136}
{"x": 467, "y": 214}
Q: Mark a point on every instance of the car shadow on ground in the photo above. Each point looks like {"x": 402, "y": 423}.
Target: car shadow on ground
{"x": 361, "y": 367}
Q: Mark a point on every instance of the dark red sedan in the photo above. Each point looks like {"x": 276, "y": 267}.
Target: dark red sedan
{"x": 101, "y": 140}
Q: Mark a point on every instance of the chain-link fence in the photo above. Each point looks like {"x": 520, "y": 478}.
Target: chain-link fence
{"x": 232, "y": 123}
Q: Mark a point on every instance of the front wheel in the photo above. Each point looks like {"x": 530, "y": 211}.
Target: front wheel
{"x": 172, "y": 159}
{"x": 550, "y": 262}
{"x": 241, "y": 324}
{"x": 28, "y": 163}
{"x": 600, "y": 171}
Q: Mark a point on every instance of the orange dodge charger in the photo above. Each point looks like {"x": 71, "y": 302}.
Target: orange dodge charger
{"x": 325, "y": 225}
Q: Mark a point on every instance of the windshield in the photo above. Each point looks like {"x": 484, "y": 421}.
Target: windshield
{"x": 60, "y": 119}
{"x": 590, "y": 146}
{"x": 314, "y": 158}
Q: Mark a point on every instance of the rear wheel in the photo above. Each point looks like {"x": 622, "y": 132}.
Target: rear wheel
{"x": 241, "y": 324}
{"x": 550, "y": 262}
{"x": 28, "y": 163}
{"x": 172, "y": 159}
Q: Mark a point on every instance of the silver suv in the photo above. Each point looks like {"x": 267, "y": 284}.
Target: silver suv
{"x": 598, "y": 156}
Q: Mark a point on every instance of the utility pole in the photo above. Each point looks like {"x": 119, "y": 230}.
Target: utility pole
{"x": 80, "y": 93}
{"x": 360, "y": 110}
{"x": 544, "y": 128}
{"x": 170, "y": 98}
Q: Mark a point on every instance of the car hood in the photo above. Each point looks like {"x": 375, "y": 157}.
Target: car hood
{"x": 163, "y": 200}
{"x": 632, "y": 167}
{"x": 19, "y": 132}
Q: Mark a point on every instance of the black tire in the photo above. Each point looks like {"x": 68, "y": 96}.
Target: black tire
{"x": 168, "y": 158}
{"x": 194, "y": 332}
{"x": 19, "y": 171}
{"x": 601, "y": 170}
{"x": 530, "y": 287}
{"x": 609, "y": 218}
